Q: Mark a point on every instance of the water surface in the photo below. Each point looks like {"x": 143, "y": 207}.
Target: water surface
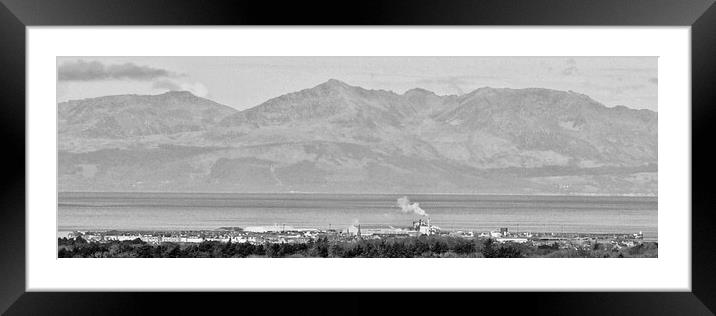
{"x": 196, "y": 211}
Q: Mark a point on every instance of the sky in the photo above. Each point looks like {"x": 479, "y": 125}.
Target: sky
{"x": 244, "y": 82}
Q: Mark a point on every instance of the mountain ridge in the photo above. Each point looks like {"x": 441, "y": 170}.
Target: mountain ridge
{"x": 335, "y": 136}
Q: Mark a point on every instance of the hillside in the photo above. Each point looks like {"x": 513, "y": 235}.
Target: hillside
{"x": 341, "y": 138}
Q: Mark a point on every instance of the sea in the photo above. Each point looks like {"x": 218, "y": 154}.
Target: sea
{"x": 92, "y": 211}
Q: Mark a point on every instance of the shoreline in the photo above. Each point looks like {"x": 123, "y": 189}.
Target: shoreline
{"x": 233, "y": 232}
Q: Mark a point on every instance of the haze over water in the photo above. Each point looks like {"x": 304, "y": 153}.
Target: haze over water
{"x": 206, "y": 211}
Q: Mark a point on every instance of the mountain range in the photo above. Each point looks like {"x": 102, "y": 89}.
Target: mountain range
{"x": 335, "y": 137}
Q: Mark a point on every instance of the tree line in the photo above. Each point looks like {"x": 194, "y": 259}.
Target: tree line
{"x": 407, "y": 247}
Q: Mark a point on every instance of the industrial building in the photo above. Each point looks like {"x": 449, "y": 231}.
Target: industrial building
{"x": 424, "y": 227}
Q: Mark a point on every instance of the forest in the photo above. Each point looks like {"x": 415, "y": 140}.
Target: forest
{"x": 408, "y": 247}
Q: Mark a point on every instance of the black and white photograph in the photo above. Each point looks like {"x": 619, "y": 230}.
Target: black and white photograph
{"x": 357, "y": 157}
{"x": 538, "y": 157}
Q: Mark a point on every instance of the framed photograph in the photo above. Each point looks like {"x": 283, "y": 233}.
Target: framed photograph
{"x": 174, "y": 146}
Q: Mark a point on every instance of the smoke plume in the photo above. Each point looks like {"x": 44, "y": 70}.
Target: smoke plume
{"x": 408, "y": 207}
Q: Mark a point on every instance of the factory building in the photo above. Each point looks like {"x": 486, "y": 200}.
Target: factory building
{"x": 424, "y": 227}
{"x": 354, "y": 230}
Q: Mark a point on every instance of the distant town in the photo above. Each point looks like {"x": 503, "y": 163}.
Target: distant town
{"x": 280, "y": 234}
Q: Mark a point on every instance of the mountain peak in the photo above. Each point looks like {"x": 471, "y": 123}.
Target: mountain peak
{"x": 418, "y": 91}
{"x": 334, "y": 83}
{"x": 131, "y": 115}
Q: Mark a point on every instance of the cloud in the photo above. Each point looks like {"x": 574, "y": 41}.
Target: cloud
{"x": 629, "y": 69}
{"x": 81, "y": 70}
{"x": 571, "y": 68}
{"x": 569, "y": 71}
{"x": 196, "y": 88}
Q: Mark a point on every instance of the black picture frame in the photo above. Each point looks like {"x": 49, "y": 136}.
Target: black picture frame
{"x": 15, "y": 15}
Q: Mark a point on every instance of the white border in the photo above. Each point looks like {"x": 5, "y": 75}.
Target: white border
{"x": 671, "y": 271}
